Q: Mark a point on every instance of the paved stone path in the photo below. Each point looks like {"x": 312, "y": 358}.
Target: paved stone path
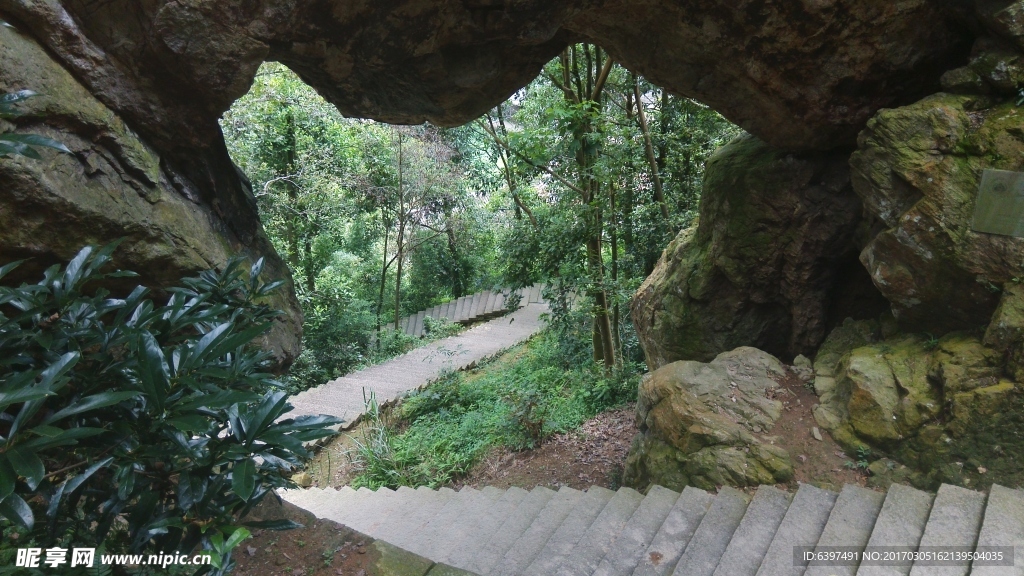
{"x": 693, "y": 533}
{"x": 344, "y": 397}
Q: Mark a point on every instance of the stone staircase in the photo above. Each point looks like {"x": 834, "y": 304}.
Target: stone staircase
{"x": 470, "y": 309}
{"x": 599, "y": 532}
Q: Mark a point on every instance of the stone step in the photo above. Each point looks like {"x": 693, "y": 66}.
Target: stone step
{"x": 474, "y": 303}
{"x": 598, "y": 539}
{"x": 526, "y": 548}
{"x": 850, "y": 524}
{"x": 460, "y": 531}
{"x": 1003, "y": 526}
{"x": 901, "y": 522}
{"x": 418, "y": 330}
{"x": 460, "y": 307}
{"x": 754, "y": 535}
{"x": 568, "y": 535}
{"x": 495, "y": 548}
{"x": 675, "y": 533}
{"x": 432, "y": 532}
{"x": 404, "y": 533}
{"x": 955, "y": 520}
{"x": 481, "y": 304}
{"x": 632, "y": 543}
{"x": 368, "y": 515}
{"x": 712, "y": 537}
{"x": 464, "y": 555}
{"x": 802, "y": 526}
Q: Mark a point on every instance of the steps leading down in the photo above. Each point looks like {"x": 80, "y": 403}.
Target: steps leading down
{"x": 470, "y": 309}
{"x": 603, "y": 533}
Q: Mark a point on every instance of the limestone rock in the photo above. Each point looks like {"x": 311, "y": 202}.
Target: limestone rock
{"x": 699, "y": 424}
{"x": 1006, "y": 330}
{"x": 115, "y": 185}
{"x": 844, "y": 338}
{"x": 760, "y": 267}
{"x": 882, "y": 391}
{"x": 961, "y": 362}
{"x": 998, "y": 67}
{"x": 930, "y": 405}
{"x": 918, "y": 169}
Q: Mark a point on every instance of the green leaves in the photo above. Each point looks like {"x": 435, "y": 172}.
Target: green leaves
{"x": 116, "y": 408}
{"x": 22, "y": 144}
{"x": 243, "y": 478}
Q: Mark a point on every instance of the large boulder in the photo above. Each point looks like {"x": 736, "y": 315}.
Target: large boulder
{"x": 760, "y": 268}
{"x": 113, "y": 186}
{"x": 939, "y": 406}
{"x": 708, "y": 424}
{"x": 918, "y": 170}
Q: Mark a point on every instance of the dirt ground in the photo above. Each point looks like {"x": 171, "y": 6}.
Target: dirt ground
{"x": 819, "y": 462}
{"x": 590, "y": 456}
{"x": 320, "y": 548}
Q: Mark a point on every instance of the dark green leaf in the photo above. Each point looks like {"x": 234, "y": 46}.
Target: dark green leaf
{"x": 16, "y": 510}
{"x": 28, "y": 465}
{"x": 243, "y": 478}
{"x": 35, "y": 140}
{"x": 153, "y": 372}
{"x": 73, "y": 484}
{"x": 93, "y": 402}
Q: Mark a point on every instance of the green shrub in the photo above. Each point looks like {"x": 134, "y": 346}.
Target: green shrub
{"x": 137, "y": 427}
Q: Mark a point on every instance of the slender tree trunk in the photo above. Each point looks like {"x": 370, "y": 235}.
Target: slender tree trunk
{"x": 458, "y": 282}
{"x": 403, "y": 219}
{"x": 383, "y": 275}
{"x": 659, "y": 194}
{"x": 292, "y": 219}
{"x": 615, "y": 271}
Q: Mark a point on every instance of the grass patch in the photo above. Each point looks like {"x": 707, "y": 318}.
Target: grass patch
{"x": 514, "y": 401}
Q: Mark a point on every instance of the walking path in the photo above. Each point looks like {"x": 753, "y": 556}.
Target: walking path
{"x": 344, "y": 397}
{"x": 513, "y": 532}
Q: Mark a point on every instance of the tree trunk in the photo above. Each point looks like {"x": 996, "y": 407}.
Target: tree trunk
{"x": 403, "y": 218}
{"x": 659, "y": 194}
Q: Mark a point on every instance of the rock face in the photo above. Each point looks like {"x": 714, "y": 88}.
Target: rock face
{"x": 115, "y": 185}
{"x": 800, "y": 75}
{"x": 918, "y": 170}
{"x": 760, "y": 267}
{"x": 941, "y": 407}
{"x": 706, "y": 424}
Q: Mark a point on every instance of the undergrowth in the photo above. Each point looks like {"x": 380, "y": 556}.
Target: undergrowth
{"x": 514, "y": 401}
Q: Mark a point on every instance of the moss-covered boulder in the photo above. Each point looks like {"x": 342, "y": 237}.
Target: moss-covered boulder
{"x": 113, "y": 186}
{"x": 931, "y": 405}
{"x": 1006, "y": 330}
{"x": 707, "y": 424}
{"x": 918, "y": 170}
{"x": 761, "y": 266}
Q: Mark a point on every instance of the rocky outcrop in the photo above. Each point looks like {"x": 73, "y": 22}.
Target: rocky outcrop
{"x": 939, "y": 406}
{"x": 114, "y": 185}
{"x": 760, "y": 267}
{"x": 800, "y": 75}
{"x": 918, "y": 170}
{"x": 707, "y": 425}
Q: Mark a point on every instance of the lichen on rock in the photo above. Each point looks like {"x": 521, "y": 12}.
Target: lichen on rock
{"x": 708, "y": 424}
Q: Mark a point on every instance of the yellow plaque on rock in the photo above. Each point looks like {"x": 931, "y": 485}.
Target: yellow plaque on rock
{"x": 1000, "y": 206}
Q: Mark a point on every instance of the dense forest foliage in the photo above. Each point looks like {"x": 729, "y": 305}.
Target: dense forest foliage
{"x": 578, "y": 180}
